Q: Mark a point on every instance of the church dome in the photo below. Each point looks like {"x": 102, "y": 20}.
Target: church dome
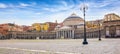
{"x": 73, "y": 16}
{"x": 73, "y": 20}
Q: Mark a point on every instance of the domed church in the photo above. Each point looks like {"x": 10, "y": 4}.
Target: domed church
{"x": 70, "y": 24}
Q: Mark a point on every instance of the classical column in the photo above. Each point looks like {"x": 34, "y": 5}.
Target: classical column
{"x": 107, "y": 31}
{"x": 67, "y": 33}
{"x": 63, "y": 33}
{"x": 73, "y": 34}
{"x": 57, "y": 34}
{"x": 60, "y": 34}
{"x": 117, "y": 31}
{"x": 70, "y": 33}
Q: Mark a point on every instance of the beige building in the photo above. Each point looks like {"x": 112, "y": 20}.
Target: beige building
{"x": 112, "y": 25}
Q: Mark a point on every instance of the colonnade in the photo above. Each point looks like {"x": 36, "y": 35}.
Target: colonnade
{"x": 65, "y": 34}
{"x": 112, "y": 32}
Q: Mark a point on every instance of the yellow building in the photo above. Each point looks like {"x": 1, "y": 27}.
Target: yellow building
{"x": 94, "y": 24}
{"x": 45, "y": 26}
{"x": 36, "y": 26}
{"x": 40, "y": 27}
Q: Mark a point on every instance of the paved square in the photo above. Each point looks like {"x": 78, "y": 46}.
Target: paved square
{"x": 60, "y": 46}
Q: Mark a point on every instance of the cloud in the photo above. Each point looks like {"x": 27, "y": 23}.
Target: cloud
{"x": 24, "y": 5}
{"x": 64, "y": 3}
{"x": 27, "y": 4}
{"x": 20, "y": 5}
{"x": 97, "y": 9}
{"x": 39, "y": 13}
{"x": 3, "y": 5}
{"x": 57, "y": 8}
{"x": 103, "y": 3}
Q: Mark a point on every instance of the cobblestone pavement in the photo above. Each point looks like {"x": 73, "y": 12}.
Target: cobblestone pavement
{"x": 61, "y": 46}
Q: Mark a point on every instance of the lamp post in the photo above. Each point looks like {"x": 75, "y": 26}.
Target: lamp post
{"x": 99, "y": 30}
{"x": 84, "y": 8}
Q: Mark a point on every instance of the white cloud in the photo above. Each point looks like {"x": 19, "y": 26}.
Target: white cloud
{"x": 51, "y": 9}
{"x": 64, "y": 6}
{"x": 21, "y": 5}
{"x": 102, "y": 3}
{"x": 64, "y": 3}
{"x": 97, "y": 10}
{"x": 38, "y": 13}
{"x": 3, "y": 5}
{"x": 24, "y": 5}
{"x": 58, "y": 8}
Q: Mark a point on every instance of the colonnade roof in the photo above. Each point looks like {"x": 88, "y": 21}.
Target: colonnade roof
{"x": 65, "y": 27}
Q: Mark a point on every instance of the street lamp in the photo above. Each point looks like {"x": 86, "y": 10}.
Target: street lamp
{"x": 99, "y": 31}
{"x": 84, "y": 8}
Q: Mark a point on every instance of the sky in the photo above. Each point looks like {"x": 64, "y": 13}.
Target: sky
{"x": 27, "y": 12}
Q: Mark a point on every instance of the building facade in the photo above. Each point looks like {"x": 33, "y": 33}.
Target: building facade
{"x": 112, "y": 25}
{"x": 44, "y": 27}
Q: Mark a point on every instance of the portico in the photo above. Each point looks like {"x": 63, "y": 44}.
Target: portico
{"x": 65, "y": 32}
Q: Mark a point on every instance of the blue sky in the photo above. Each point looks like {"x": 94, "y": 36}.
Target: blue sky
{"x": 27, "y": 12}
